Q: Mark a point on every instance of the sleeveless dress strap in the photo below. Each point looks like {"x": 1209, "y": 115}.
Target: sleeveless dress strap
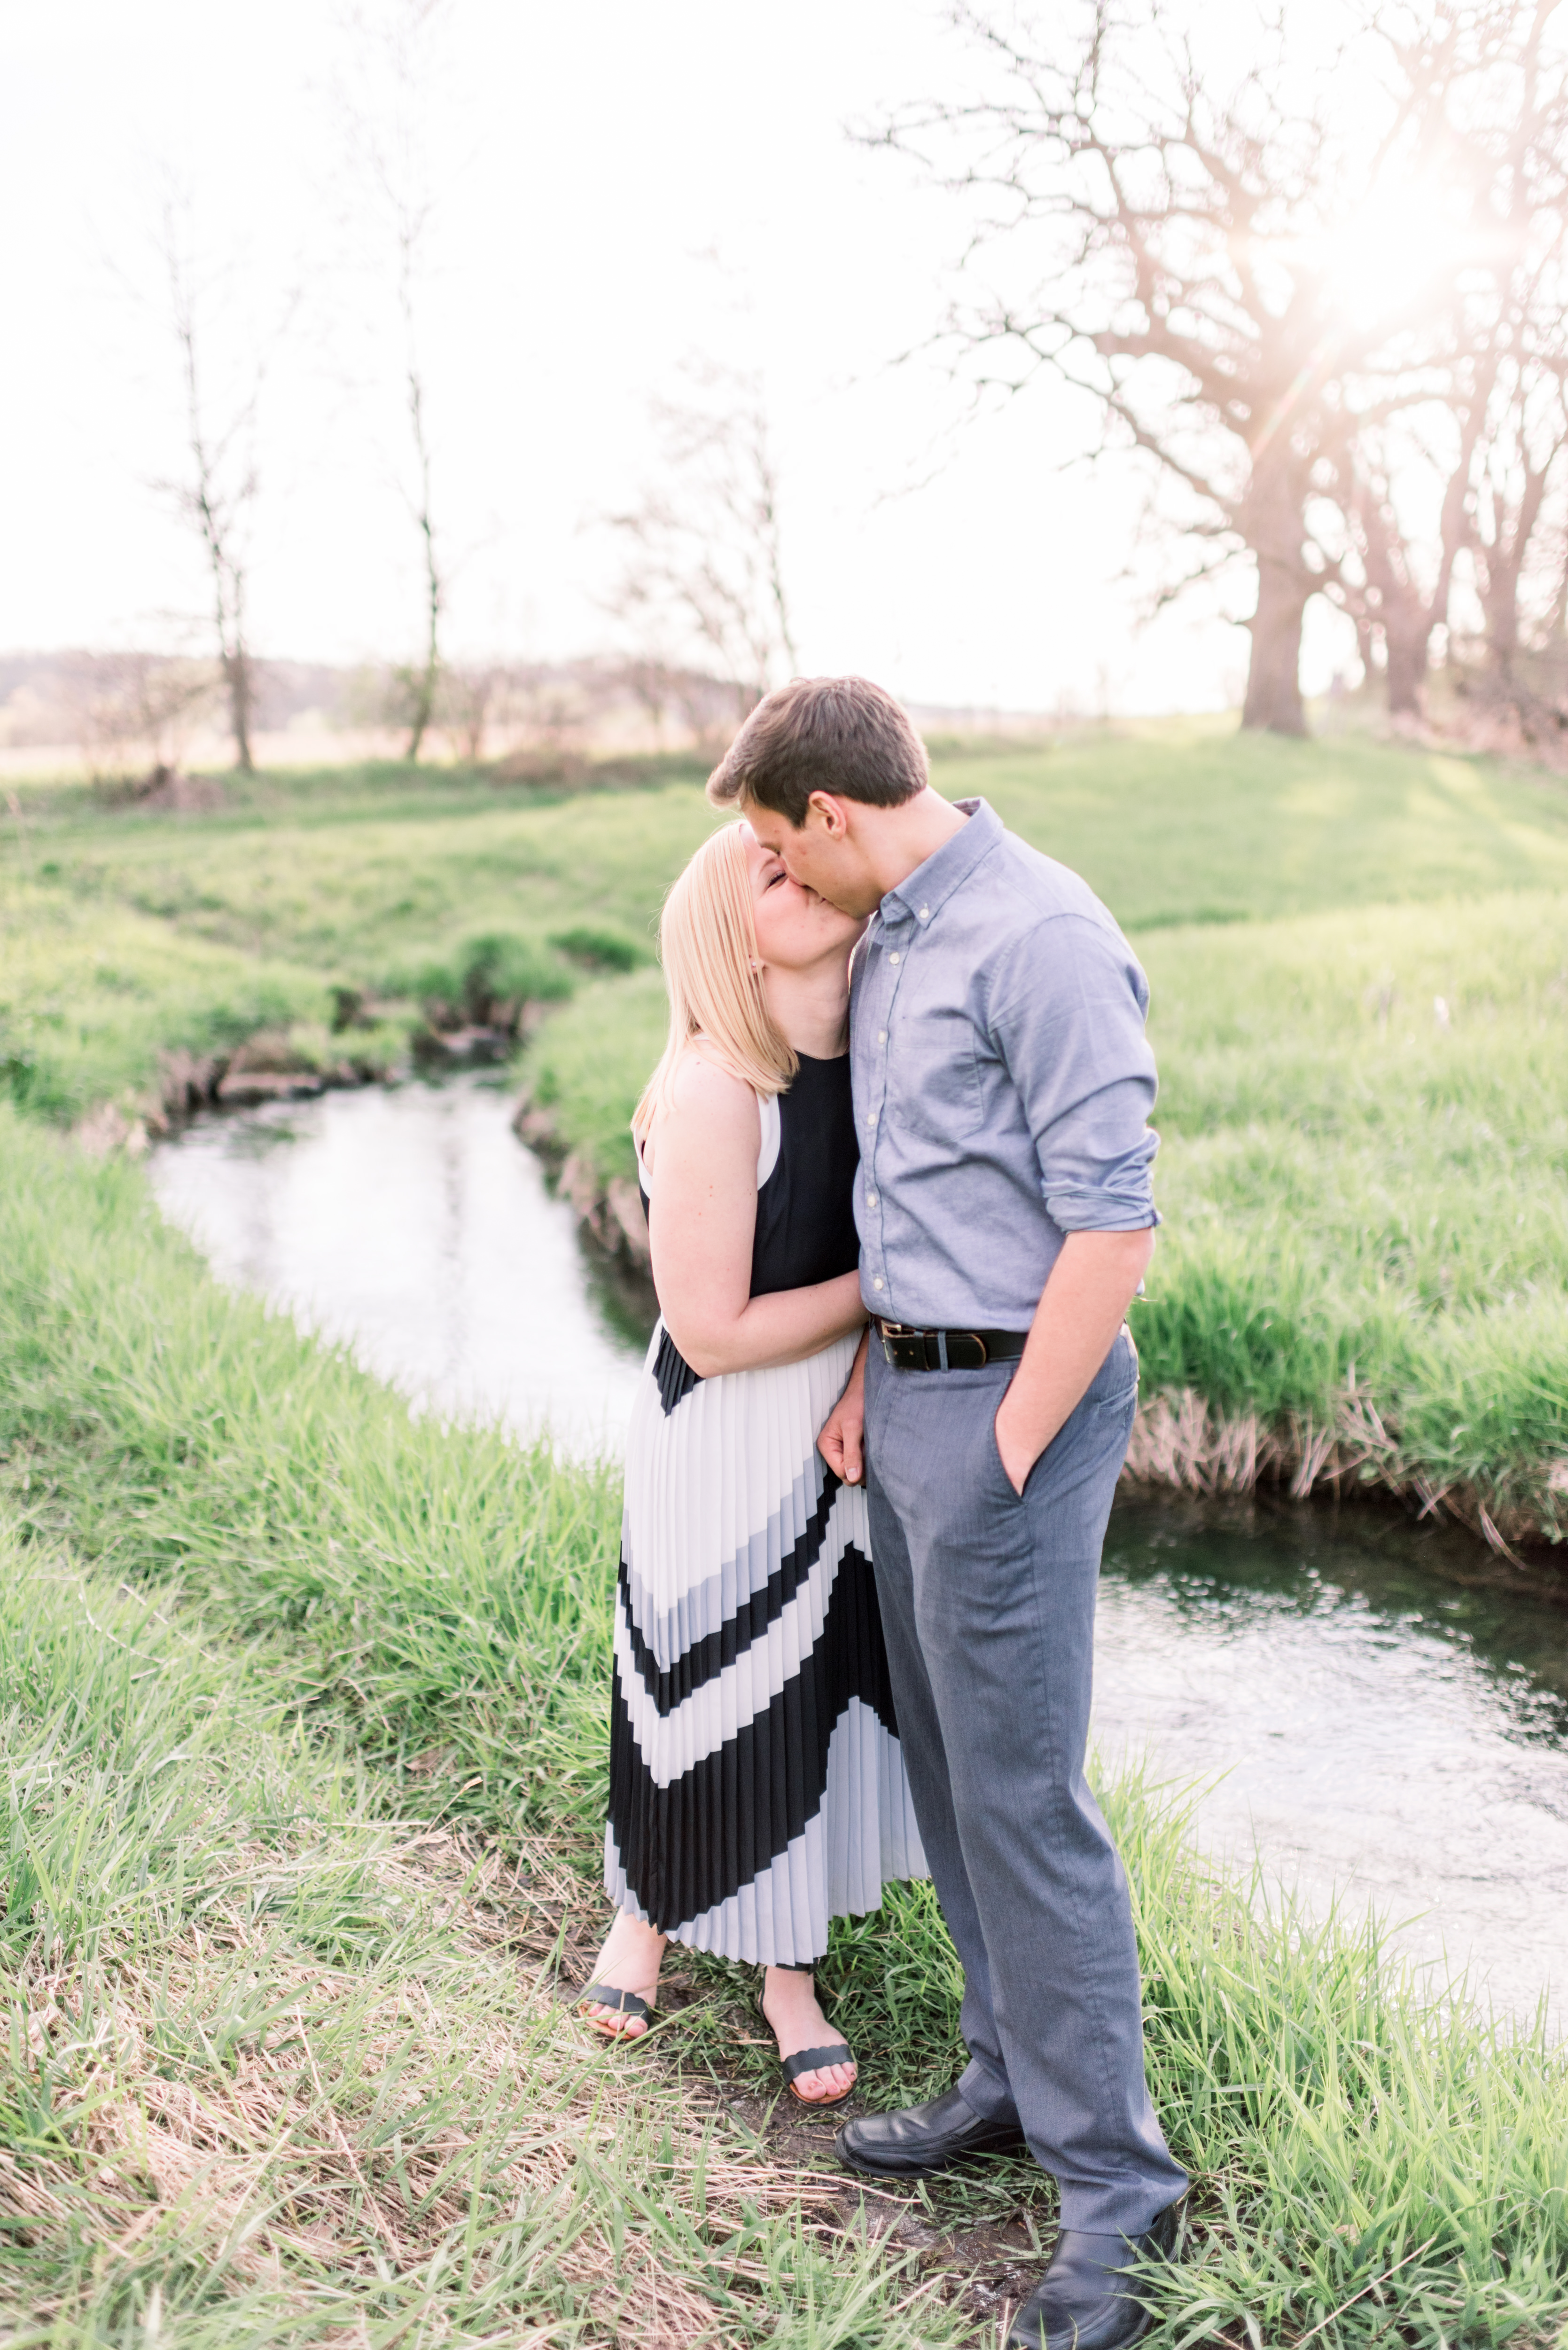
{"x": 773, "y": 1135}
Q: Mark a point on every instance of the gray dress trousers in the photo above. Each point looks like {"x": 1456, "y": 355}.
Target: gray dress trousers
{"x": 988, "y": 1606}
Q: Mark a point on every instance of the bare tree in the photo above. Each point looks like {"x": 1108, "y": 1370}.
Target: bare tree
{"x": 399, "y": 44}
{"x": 1482, "y": 452}
{"x": 472, "y": 696}
{"x": 128, "y": 710}
{"x": 216, "y": 494}
{"x": 702, "y": 585}
{"x": 1183, "y": 240}
{"x": 1523, "y": 461}
{"x": 1394, "y": 585}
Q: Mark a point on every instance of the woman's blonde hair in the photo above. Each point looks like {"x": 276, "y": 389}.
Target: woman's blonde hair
{"x": 708, "y": 945}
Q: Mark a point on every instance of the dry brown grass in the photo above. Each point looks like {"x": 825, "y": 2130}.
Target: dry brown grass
{"x": 1181, "y": 1441}
{"x": 314, "y": 2134}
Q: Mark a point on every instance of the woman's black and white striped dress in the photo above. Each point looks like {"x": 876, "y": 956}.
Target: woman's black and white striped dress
{"x": 757, "y": 1787}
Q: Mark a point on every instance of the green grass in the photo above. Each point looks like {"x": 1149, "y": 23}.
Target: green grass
{"x": 1364, "y": 1177}
{"x": 290, "y": 2068}
{"x": 366, "y": 875}
{"x": 1350, "y": 1187}
{"x": 90, "y": 998}
{"x": 1182, "y": 822}
{"x": 278, "y": 2066}
{"x": 591, "y": 1062}
{"x": 278, "y": 2071}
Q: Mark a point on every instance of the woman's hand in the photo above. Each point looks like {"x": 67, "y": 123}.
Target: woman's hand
{"x": 841, "y": 1443}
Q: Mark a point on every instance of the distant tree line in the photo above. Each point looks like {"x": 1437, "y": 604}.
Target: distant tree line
{"x": 134, "y": 715}
{"x": 1322, "y": 301}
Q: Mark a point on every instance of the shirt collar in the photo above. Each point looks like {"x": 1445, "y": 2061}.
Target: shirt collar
{"x": 931, "y": 884}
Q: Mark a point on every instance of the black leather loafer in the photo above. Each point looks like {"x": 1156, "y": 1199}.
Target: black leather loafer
{"x": 1085, "y": 2300}
{"x": 923, "y": 2139}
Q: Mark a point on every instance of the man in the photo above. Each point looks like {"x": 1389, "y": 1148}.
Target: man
{"x": 1001, "y": 1084}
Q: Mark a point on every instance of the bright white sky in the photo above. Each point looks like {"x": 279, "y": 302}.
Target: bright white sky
{"x": 622, "y": 187}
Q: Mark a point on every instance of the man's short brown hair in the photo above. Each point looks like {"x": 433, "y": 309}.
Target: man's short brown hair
{"x": 838, "y": 734}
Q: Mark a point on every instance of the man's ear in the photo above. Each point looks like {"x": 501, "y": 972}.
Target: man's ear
{"x": 830, "y": 812}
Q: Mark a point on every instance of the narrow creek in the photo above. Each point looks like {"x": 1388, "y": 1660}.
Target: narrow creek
{"x": 1359, "y": 1705}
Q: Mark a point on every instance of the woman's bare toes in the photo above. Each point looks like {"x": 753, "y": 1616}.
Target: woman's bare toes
{"x": 791, "y": 2006}
{"x": 825, "y": 2087}
{"x": 614, "y": 2020}
{"x": 630, "y": 1961}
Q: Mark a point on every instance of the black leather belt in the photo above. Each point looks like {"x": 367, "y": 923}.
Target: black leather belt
{"x": 948, "y": 1350}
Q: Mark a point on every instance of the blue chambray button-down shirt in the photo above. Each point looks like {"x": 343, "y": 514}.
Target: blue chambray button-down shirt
{"x": 1003, "y": 1082}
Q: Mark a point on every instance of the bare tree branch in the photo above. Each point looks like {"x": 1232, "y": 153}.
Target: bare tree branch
{"x": 1175, "y": 237}
{"x": 702, "y": 583}
{"x": 215, "y": 495}
{"x": 399, "y": 41}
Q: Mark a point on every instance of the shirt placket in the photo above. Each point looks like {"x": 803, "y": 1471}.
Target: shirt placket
{"x": 890, "y": 949}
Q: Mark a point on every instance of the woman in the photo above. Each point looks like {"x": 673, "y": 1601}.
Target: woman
{"x": 756, "y": 1784}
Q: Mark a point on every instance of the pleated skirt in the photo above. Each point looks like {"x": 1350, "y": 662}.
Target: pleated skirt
{"x": 757, "y": 1787}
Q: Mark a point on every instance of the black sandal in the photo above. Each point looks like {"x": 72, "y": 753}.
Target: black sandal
{"x": 629, "y": 2003}
{"x": 811, "y": 2059}
{"x": 818, "y": 2060}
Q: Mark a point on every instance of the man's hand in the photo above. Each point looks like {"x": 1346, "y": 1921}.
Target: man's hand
{"x": 1091, "y": 1285}
{"x": 841, "y": 1443}
{"x": 1018, "y": 1452}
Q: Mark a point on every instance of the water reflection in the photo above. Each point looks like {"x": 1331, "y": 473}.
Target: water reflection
{"x": 412, "y": 1223}
{"x": 1369, "y": 1726}
{"x": 1369, "y": 1713}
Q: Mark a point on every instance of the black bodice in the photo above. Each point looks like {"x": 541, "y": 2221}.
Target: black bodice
{"x": 806, "y": 1209}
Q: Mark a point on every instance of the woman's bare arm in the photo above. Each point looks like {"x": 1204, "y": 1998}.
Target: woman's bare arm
{"x": 701, "y": 1223}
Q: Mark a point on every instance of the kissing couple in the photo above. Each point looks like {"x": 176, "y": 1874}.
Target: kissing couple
{"x": 897, "y": 1165}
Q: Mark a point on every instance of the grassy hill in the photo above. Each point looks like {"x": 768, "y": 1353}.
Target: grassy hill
{"x": 303, "y": 1697}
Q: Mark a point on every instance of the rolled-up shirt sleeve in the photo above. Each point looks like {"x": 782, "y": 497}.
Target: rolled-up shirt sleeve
{"x": 1066, "y": 1015}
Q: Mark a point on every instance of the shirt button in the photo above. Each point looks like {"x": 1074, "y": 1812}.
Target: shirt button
{"x": 894, "y": 958}
{"x": 878, "y": 1283}
{"x": 925, "y": 913}
{"x": 881, "y": 1036}
{"x": 871, "y": 1119}
{"x": 870, "y": 1198}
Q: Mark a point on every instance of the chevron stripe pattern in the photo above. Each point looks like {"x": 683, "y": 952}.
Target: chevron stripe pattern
{"x": 757, "y": 1786}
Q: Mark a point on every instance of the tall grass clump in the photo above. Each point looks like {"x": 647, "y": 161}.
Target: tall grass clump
{"x": 420, "y": 1616}
{"x": 1365, "y": 1129}
{"x": 487, "y": 980}
{"x": 445, "y": 1583}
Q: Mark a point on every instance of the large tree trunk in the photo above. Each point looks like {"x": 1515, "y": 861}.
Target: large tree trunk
{"x": 1501, "y": 605}
{"x": 1405, "y": 647}
{"x": 1274, "y": 675}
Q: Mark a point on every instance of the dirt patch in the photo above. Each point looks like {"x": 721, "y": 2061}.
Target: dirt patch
{"x": 977, "y": 2239}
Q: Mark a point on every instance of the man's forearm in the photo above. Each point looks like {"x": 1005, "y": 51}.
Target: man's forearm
{"x": 1092, "y": 1283}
